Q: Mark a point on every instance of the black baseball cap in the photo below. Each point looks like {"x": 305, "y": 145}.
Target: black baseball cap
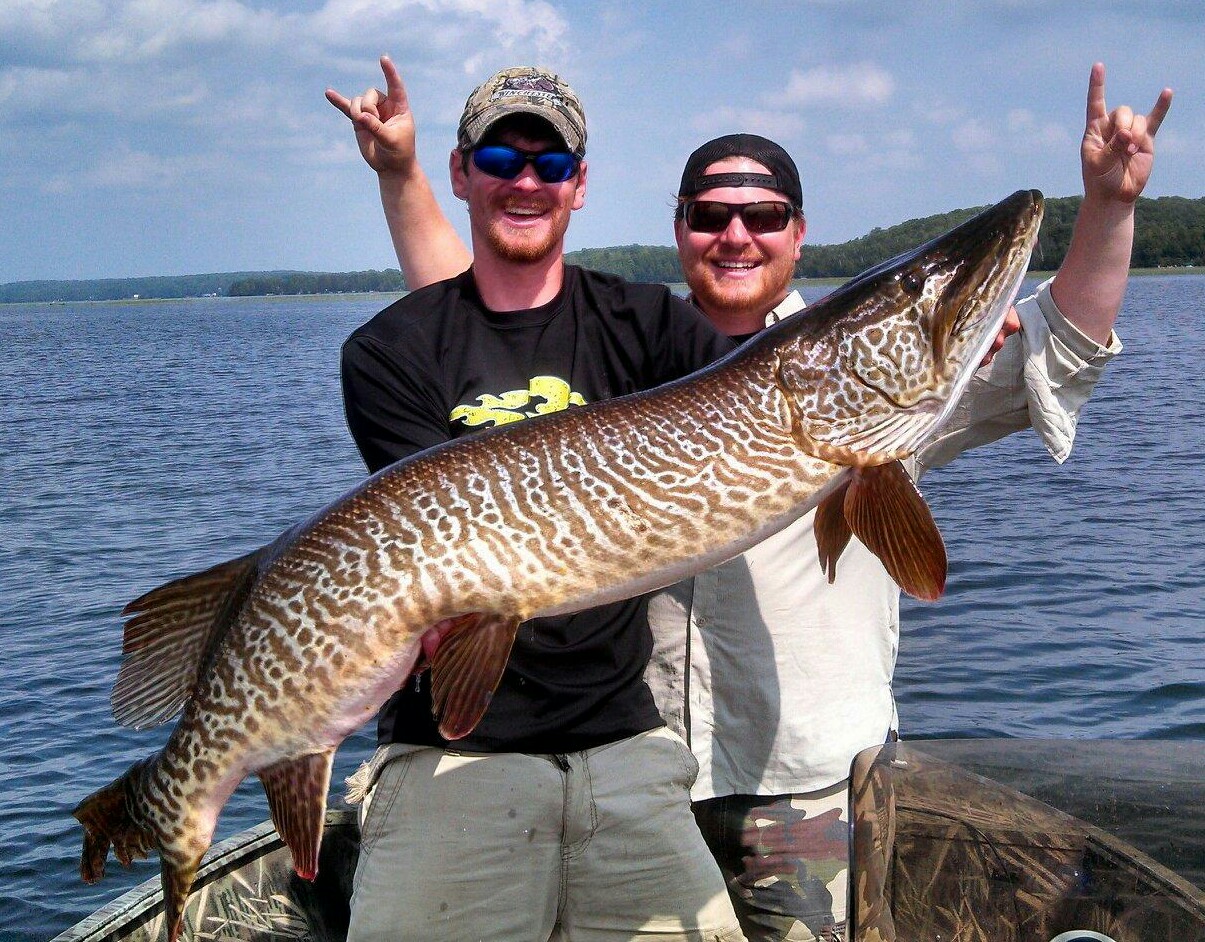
{"x": 783, "y": 175}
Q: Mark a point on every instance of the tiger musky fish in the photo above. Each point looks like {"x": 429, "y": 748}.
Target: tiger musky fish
{"x": 275, "y": 657}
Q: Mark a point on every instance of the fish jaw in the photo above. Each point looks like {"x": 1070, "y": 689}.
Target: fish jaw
{"x": 876, "y": 366}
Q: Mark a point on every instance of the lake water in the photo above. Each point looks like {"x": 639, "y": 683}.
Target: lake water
{"x": 144, "y": 441}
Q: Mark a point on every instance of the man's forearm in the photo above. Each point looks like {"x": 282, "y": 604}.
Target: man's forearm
{"x": 1091, "y": 282}
{"x": 428, "y": 248}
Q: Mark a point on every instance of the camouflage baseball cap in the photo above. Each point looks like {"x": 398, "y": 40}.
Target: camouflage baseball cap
{"x": 525, "y": 89}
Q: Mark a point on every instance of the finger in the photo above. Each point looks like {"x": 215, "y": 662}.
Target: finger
{"x": 371, "y": 101}
{"x": 995, "y": 348}
{"x": 371, "y": 123}
{"x": 1121, "y": 140}
{"x": 393, "y": 83}
{"x": 338, "y": 101}
{"x": 1096, "y": 93}
{"x": 1159, "y": 112}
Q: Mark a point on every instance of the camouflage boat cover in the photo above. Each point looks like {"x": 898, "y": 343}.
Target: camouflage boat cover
{"x": 939, "y": 853}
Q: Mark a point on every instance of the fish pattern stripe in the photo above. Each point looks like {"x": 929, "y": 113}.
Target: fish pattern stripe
{"x": 276, "y": 657}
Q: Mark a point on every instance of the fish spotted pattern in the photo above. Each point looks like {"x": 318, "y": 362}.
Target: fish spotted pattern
{"x": 276, "y": 657}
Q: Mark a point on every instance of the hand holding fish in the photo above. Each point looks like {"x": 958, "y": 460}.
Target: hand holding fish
{"x": 383, "y": 120}
{"x": 1118, "y": 148}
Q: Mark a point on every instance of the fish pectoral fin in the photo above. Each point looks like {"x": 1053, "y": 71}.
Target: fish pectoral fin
{"x": 297, "y": 799}
{"x": 832, "y": 530}
{"x": 887, "y": 513}
{"x": 466, "y": 670}
{"x": 169, "y": 633}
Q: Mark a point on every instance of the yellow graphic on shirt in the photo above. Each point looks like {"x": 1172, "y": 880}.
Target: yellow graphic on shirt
{"x": 543, "y": 394}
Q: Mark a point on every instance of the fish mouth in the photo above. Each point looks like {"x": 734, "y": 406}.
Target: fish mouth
{"x": 918, "y": 326}
{"x": 996, "y": 245}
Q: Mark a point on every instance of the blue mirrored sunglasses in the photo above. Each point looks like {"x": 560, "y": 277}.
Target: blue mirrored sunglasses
{"x": 506, "y": 163}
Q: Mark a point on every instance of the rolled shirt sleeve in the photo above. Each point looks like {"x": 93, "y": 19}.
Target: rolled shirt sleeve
{"x": 1041, "y": 378}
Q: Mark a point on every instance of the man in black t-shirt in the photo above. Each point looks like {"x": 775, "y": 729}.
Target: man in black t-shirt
{"x": 567, "y": 808}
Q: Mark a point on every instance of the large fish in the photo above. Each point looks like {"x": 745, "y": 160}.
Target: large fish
{"x": 277, "y": 656}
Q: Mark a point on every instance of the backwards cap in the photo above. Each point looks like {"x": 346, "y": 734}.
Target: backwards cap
{"x": 783, "y": 175}
{"x": 523, "y": 90}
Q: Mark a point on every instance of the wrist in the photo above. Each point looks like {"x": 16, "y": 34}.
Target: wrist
{"x": 1105, "y": 210}
{"x": 398, "y": 173}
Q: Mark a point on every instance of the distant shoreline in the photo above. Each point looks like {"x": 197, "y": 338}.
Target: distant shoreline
{"x": 677, "y": 287}
{"x": 1170, "y": 236}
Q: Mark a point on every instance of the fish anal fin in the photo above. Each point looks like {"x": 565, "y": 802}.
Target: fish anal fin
{"x": 466, "y": 669}
{"x": 831, "y": 530}
{"x": 168, "y": 636}
{"x": 296, "y": 791}
{"x": 887, "y": 513}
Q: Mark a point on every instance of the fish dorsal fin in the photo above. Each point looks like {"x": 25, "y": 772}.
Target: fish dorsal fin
{"x": 887, "y": 513}
{"x": 831, "y": 529}
{"x": 297, "y": 800}
{"x": 466, "y": 669}
{"x": 169, "y": 633}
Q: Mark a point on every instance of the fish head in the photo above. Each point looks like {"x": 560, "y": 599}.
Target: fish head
{"x": 880, "y": 363}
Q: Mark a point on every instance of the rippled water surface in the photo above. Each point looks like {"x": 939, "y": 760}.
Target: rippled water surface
{"x": 148, "y": 440}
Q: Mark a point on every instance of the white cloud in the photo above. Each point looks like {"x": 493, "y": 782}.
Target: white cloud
{"x": 1026, "y": 131}
{"x": 209, "y": 78}
{"x": 974, "y": 135}
{"x": 725, "y": 119}
{"x": 124, "y": 168}
{"x": 891, "y": 149}
{"x": 845, "y": 145}
{"x": 422, "y": 27}
{"x": 859, "y": 84}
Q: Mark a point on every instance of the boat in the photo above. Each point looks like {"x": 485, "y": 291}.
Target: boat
{"x": 245, "y": 890}
{"x": 1028, "y": 841}
{"x": 975, "y": 840}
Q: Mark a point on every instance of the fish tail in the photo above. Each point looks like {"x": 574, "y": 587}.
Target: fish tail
{"x": 111, "y": 819}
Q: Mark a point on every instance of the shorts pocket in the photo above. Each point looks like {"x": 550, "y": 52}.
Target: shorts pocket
{"x": 381, "y": 797}
{"x": 686, "y": 765}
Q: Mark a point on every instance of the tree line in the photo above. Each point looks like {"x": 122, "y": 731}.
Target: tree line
{"x": 300, "y": 282}
{"x": 1170, "y": 232}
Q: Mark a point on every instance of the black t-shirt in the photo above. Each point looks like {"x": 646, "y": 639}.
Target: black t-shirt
{"x": 438, "y": 364}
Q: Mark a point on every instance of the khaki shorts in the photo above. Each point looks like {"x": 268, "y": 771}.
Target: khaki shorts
{"x": 594, "y": 846}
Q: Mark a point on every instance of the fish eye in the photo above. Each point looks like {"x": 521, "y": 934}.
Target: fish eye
{"x": 912, "y": 283}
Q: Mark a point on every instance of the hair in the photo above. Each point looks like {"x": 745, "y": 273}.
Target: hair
{"x": 522, "y": 123}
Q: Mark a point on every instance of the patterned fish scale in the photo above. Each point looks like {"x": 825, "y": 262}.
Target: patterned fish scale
{"x": 274, "y": 658}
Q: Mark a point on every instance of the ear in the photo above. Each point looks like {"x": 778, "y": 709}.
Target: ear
{"x": 579, "y": 192}
{"x": 460, "y": 177}
{"x": 680, "y": 231}
{"x": 802, "y": 229}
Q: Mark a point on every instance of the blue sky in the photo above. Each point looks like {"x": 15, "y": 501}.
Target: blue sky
{"x": 142, "y": 137}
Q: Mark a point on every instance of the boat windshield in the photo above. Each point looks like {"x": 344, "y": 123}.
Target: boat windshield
{"x": 1029, "y": 841}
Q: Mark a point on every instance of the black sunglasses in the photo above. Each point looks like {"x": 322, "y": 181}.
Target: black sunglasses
{"x": 506, "y": 163}
{"x": 759, "y": 218}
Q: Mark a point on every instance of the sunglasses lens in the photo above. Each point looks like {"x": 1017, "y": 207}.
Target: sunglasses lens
{"x": 555, "y": 166}
{"x": 502, "y": 162}
{"x": 761, "y": 218}
{"x": 506, "y": 163}
{"x": 707, "y": 216}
